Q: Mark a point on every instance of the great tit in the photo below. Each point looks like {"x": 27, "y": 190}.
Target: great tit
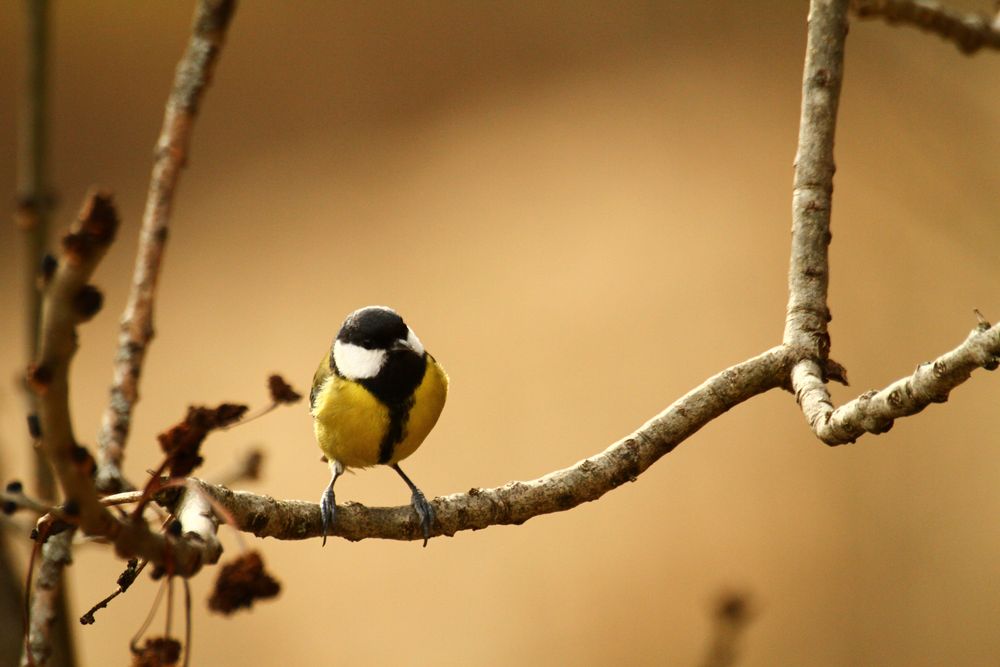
{"x": 375, "y": 397}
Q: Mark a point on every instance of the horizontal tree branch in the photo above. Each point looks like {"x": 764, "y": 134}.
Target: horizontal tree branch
{"x": 516, "y": 502}
{"x": 512, "y": 503}
{"x": 589, "y": 479}
{"x": 875, "y": 411}
{"x": 969, "y": 32}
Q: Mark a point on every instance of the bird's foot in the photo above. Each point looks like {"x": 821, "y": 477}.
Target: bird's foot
{"x": 327, "y": 507}
{"x": 425, "y": 511}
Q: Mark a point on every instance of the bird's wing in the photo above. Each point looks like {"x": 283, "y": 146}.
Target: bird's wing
{"x": 319, "y": 377}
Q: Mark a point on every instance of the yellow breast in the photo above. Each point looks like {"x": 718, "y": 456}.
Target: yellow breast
{"x": 350, "y": 422}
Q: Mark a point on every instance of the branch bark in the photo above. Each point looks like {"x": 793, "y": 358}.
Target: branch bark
{"x": 47, "y": 605}
{"x": 807, "y": 313}
{"x": 589, "y": 479}
{"x": 969, "y": 32}
{"x": 194, "y": 72}
{"x": 516, "y": 502}
{"x": 875, "y": 411}
{"x": 68, "y": 301}
{"x": 809, "y": 271}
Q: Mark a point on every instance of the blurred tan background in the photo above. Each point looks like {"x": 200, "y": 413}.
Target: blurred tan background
{"x": 583, "y": 210}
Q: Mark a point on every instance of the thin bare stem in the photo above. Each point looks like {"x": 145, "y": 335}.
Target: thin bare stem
{"x": 809, "y": 270}
{"x": 187, "y": 623}
{"x": 969, "y": 32}
{"x": 125, "y": 581}
{"x": 875, "y": 411}
{"x": 809, "y": 267}
{"x": 134, "y": 642}
{"x": 194, "y": 72}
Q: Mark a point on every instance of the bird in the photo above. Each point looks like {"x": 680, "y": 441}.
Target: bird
{"x": 375, "y": 396}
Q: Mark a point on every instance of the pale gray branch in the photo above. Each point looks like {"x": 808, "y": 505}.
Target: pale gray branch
{"x": 587, "y": 480}
{"x": 516, "y": 502}
{"x": 807, "y": 313}
{"x": 211, "y": 20}
{"x": 874, "y": 411}
{"x": 969, "y": 32}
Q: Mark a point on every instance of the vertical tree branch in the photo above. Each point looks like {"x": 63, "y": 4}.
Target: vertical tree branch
{"x": 34, "y": 199}
{"x": 809, "y": 270}
{"x": 194, "y": 72}
{"x": 47, "y": 599}
{"x": 69, "y": 300}
{"x": 34, "y": 210}
{"x": 808, "y": 275}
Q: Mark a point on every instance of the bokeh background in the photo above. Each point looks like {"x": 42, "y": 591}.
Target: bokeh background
{"x": 583, "y": 210}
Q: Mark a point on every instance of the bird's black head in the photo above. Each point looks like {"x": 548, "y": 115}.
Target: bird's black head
{"x": 376, "y": 349}
{"x": 373, "y": 328}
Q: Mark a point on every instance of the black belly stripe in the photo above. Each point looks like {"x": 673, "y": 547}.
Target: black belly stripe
{"x": 399, "y": 414}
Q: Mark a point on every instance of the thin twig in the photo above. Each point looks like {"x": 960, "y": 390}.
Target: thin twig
{"x": 969, "y": 32}
{"x": 875, "y": 411}
{"x": 807, "y": 313}
{"x": 809, "y": 269}
{"x": 187, "y": 623}
{"x": 211, "y": 20}
{"x": 125, "y": 581}
{"x": 134, "y": 642}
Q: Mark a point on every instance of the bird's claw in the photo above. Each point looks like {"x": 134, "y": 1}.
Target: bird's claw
{"x": 425, "y": 512}
{"x": 327, "y": 507}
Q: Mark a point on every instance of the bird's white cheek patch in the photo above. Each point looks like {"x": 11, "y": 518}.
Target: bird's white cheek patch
{"x": 357, "y": 363}
{"x": 414, "y": 342}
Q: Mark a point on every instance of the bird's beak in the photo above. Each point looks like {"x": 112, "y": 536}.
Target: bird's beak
{"x": 400, "y": 345}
